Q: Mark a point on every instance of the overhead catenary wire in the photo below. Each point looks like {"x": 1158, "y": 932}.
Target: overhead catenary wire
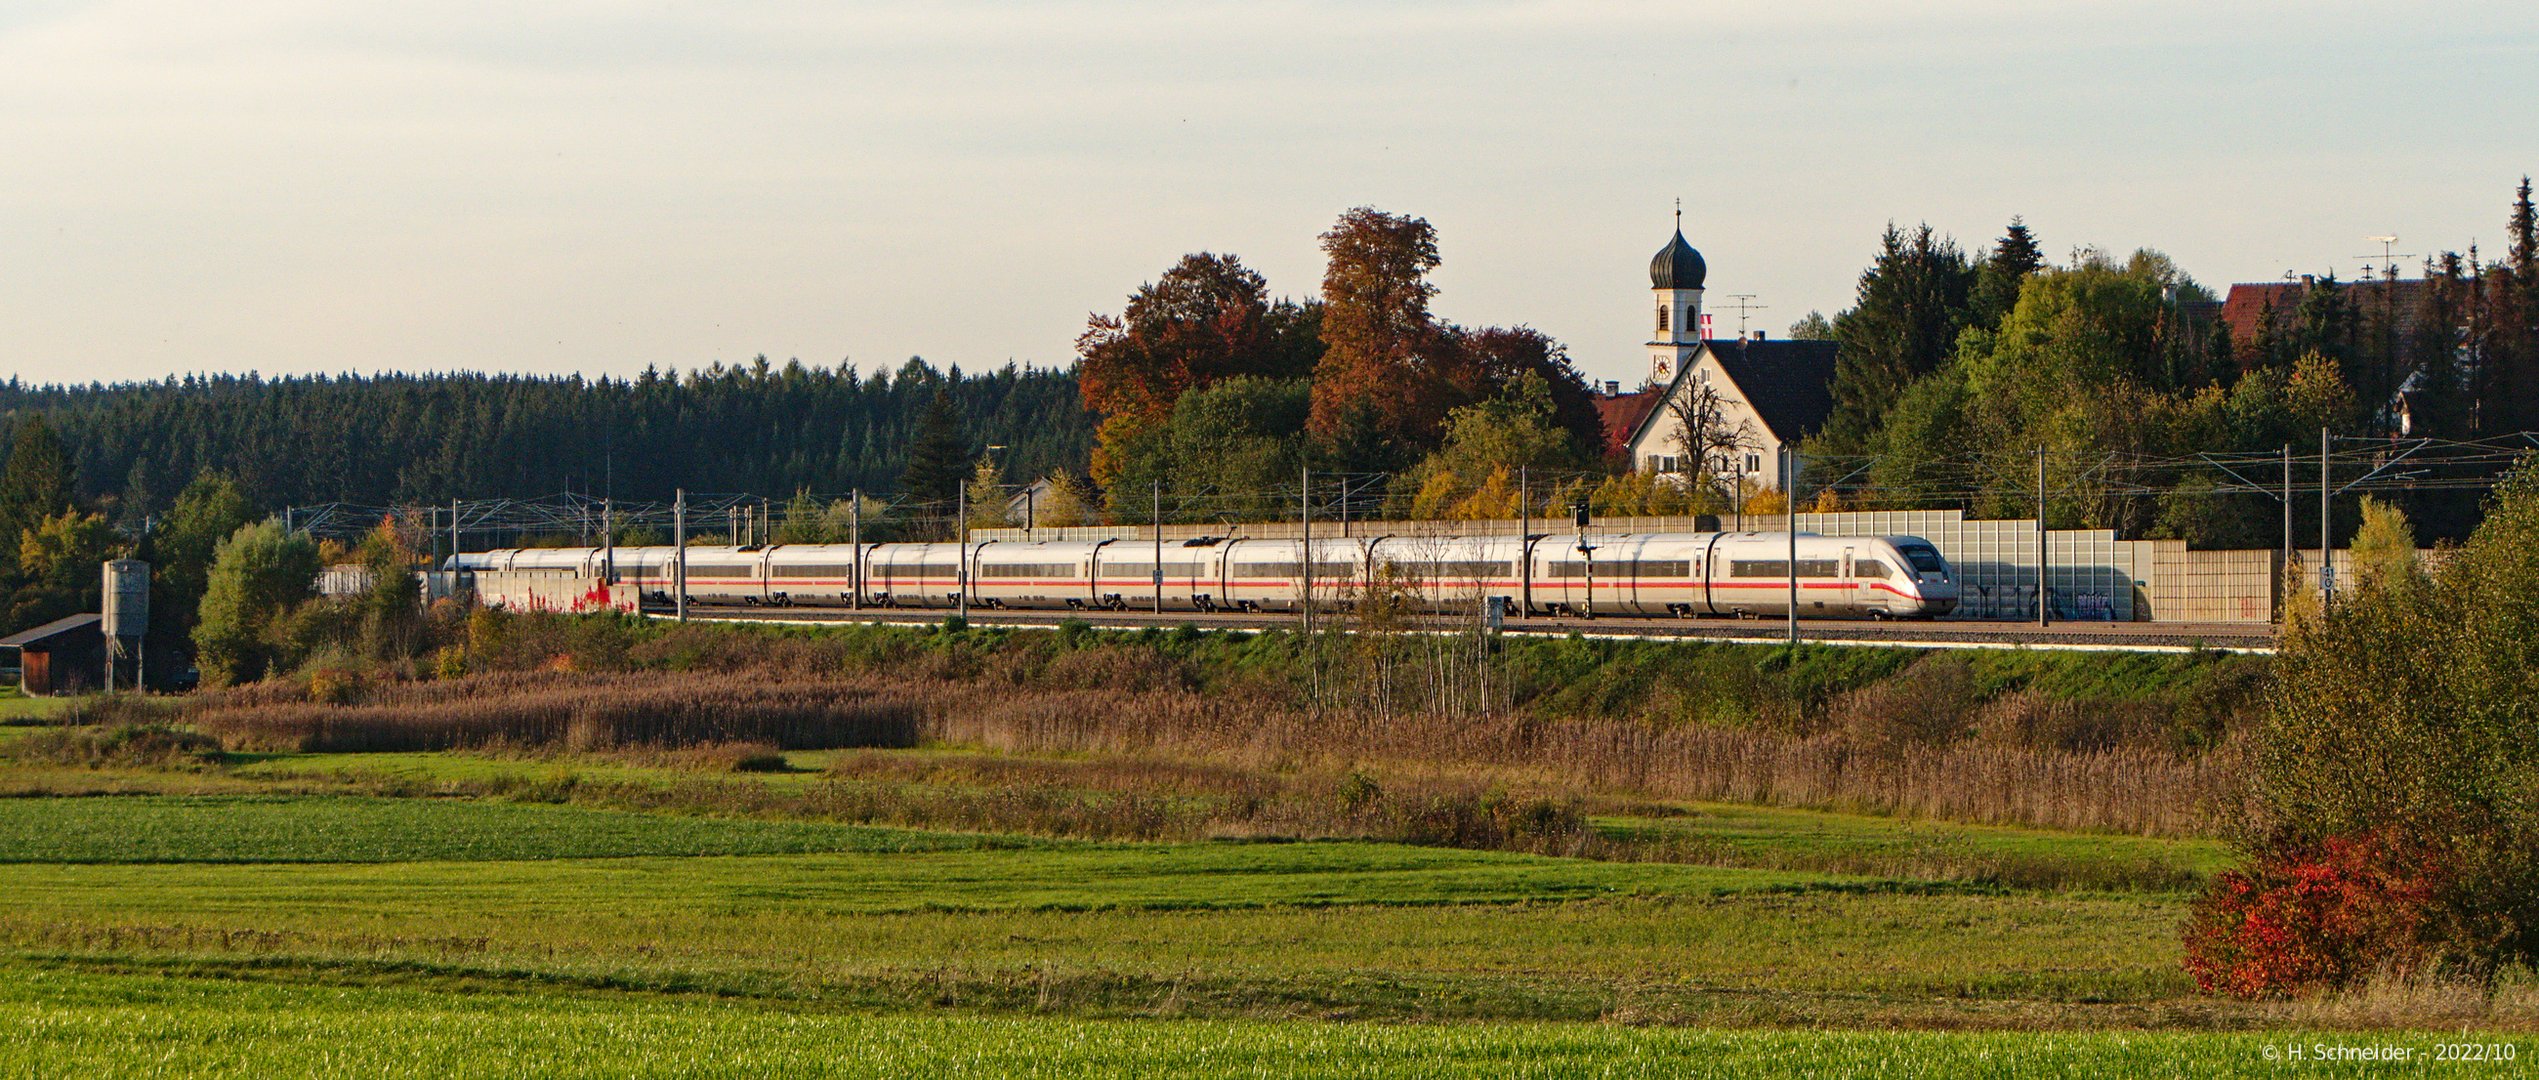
{"x": 2352, "y": 465}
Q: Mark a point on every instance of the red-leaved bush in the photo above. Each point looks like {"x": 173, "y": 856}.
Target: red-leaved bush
{"x": 2315, "y": 918}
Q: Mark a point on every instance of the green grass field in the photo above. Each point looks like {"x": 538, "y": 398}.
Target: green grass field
{"x": 335, "y": 914}
{"x": 17, "y": 709}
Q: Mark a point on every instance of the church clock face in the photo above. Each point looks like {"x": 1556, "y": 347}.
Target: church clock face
{"x": 1662, "y": 367}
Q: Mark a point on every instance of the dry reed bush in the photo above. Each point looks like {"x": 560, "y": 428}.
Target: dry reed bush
{"x": 2388, "y": 1002}
{"x": 112, "y": 710}
{"x": 1930, "y": 704}
{"x": 1129, "y": 669}
{"x": 1107, "y": 774}
{"x": 586, "y": 712}
{"x": 2033, "y": 719}
{"x": 2131, "y": 790}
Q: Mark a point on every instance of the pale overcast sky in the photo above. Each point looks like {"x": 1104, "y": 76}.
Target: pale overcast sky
{"x": 296, "y": 186}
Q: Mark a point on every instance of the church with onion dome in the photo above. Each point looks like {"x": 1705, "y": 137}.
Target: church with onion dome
{"x": 1729, "y": 407}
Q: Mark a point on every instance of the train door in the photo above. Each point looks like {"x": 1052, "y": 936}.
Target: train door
{"x": 1857, "y": 592}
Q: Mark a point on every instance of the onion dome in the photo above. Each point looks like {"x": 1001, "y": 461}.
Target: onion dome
{"x": 1677, "y": 267}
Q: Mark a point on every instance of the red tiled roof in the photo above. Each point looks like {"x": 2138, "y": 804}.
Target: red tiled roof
{"x": 2245, "y": 307}
{"x": 1622, "y": 414}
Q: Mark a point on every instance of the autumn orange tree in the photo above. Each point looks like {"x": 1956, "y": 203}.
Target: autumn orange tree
{"x": 1207, "y": 319}
{"x": 1388, "y": 373}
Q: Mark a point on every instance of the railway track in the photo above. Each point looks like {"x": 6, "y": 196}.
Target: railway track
{"x": 1941, "y": 634}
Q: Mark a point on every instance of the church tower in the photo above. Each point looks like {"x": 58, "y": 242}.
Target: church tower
{"x": 1675, "y": 277}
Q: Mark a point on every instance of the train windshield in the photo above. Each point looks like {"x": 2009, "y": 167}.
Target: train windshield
{"x": 1924, "y": 560}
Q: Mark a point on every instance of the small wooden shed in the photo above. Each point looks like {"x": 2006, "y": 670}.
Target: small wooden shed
{"x": 65, "y": 656}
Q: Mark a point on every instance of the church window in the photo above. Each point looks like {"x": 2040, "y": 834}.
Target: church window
{"x": 1661, "y": 318}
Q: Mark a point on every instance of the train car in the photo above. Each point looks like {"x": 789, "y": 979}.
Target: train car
{"x": 1268, "y": 575}
{"x": 715, "y": 575}
{"x": 1741, "y": 574}
{"x": 1622, "y": 574}
{"x": 1055, "y": 574}
{"x": 1192, "y": 575}
{"x": 814, "y": 575}
{"x": 1449, "y": 573}
{"x": 913, "y": 575}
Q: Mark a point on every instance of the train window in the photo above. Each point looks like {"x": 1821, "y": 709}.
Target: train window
{"x": 1145, "y": 571}
{"x": 910, "y": 573}
{"x": 1777, "y": 568}
{"x": 722, "y": 570}
{"x": 1450, "y": 568}
{"x": 1868, "y": 568}
{"x": 1290, "y": 570}
{"x": 1923, "y": 559}
{"x": 815, "y": 570}
{"x": 1665, "y": 568}
{"x": 1029, "y": 570}
{"x": 1605, "y": 568}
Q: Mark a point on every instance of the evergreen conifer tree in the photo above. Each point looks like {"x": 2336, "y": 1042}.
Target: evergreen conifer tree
{"x": 1912, "y": 304}
{"x": 36, "y": 485}
{"x": 1997, "y": 281}
{"x": 938, "y": 460}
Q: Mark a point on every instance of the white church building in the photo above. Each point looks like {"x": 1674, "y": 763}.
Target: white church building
{"x": 1728, "y": 407}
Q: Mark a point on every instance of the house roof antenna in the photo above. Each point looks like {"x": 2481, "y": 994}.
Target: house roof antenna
{"x": 2388, "y": 257}
{"x": 1745, "y": 306}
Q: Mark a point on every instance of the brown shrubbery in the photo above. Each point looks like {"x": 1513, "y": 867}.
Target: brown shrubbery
{"x": 1925, "y": 764}
{"x": 577, "y": 712}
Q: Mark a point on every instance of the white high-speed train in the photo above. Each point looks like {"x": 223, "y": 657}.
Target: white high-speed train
{"x": 1682, "y": 575}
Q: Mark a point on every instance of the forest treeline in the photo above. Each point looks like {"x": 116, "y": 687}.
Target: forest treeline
{"x": 426, "y": 439}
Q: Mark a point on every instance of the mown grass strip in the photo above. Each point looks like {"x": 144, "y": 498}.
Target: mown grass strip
{"x": 59, "y": 1023}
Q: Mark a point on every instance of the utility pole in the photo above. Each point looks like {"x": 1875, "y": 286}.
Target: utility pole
{"x": 608, "y": 543}
{"x": 1587, "y": 554}
{"x": 1157, "y": 533}
{"x": 855, "y": 546}
{"x": 1789, "y": 523}
{"x": 961, "y": 551}
{"x": 1524, "y": 550}
{"x": 2044, "y": 616}
{"x": 2283, "y": 591}
{"x": 679, "y": 567}
{"x": 1305, "y": 566}
{"x": 2327, "y": 557}
{"x": 457, "y": 543}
